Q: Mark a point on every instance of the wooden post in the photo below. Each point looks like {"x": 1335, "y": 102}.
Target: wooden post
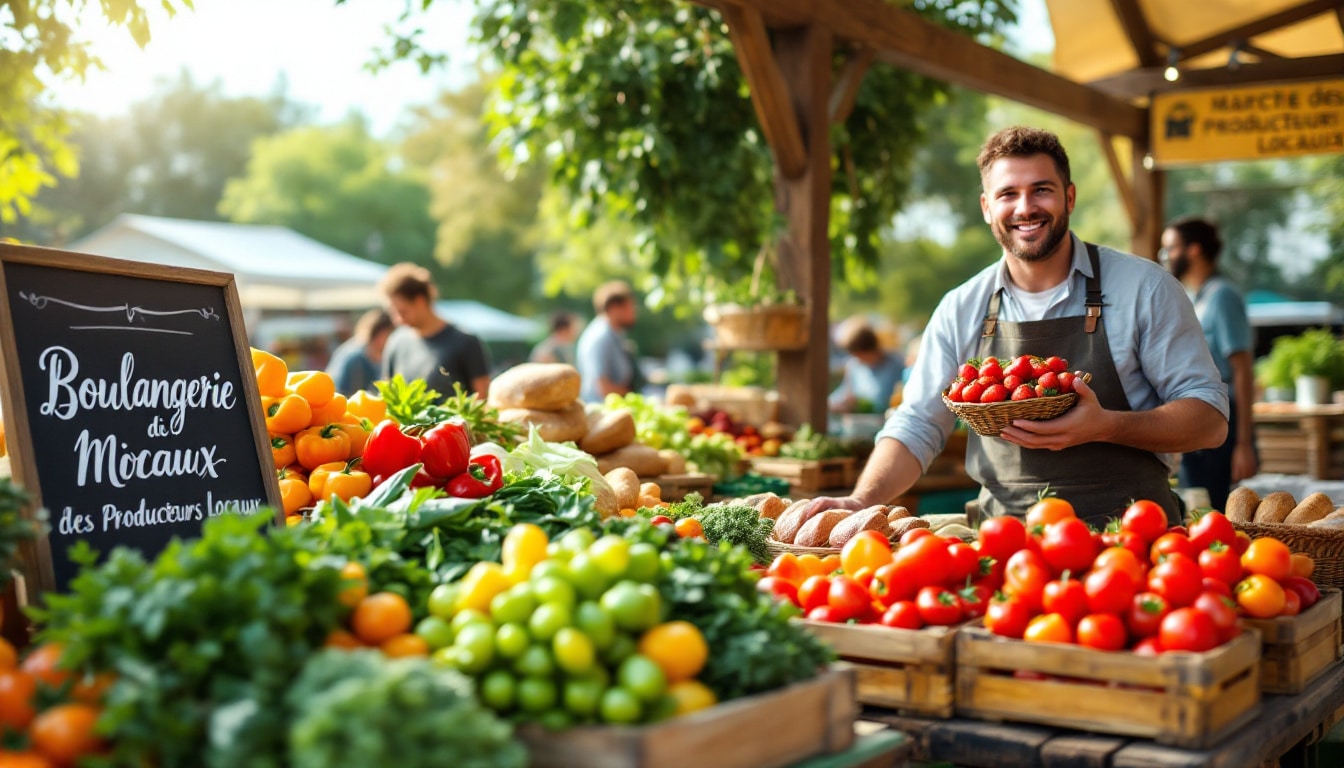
{"x": 1149, "y": 190}
{"x": 804, "y": 57}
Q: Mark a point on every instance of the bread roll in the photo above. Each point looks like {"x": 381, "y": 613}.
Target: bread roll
{"x": 870, "y": 519}
{"x": 608, "y": 430}
{"x": 676, "y": 463}
{"x": 791, "y": 521}
{"x": 817, "y": 531}
{"x": 1275, "y": 507}
{"x": 1309, "y": 510}
{"x": 564, "y": 426}
{"x": 897, "y": 513}
{"x": 644, "y": 460}
{"x": 1333, "y": 520}
{"x": 1241, "y": 505}
{"x": 901, "y": 526}
{"x": 539, "y": 386}
{"x": 771, "y": 506}
{"x": 625, "y": 483}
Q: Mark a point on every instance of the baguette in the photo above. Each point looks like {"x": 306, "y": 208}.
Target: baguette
{"x": 1275, "y": 507}
{"x": 1309, "y": 510}
{"x": 817, "y": 531}
{"x": 1241, "y": 505}
{"x": 870, "y": 519}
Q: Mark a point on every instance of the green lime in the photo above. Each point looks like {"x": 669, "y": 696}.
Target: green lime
{"x": 587, "y": 576}
{"x": 596, "y": 623}
{"x": 553, "y": 590}
{"x": 511, "y": 640}
{"x": 447, "y": 657}
{"x": 536, "y": 661}
{"x": 557, "y": 551}
{"x": 612, "y": 555}
{"x": 436, "y": 632}
{"x": 644, "y": 562}
{"x": 443, "y": 601}
{"x": 643, "y": 677}
{"x": 536, "y": 694}
{"x": 498, "y": 690}
{"x": 634, "y": 607}
{"x": 620, "y": 706}
{"x": 583, "y": 695}
{"x": 548, "y": 619}
{"x": 557, "y": 568}
{"x": 574, "y": 652}
{"x": 476, "y": 647}
{"x": 577, "y": 539}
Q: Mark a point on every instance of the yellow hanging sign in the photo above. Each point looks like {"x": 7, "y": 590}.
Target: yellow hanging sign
{"x": 1252, "y": 123}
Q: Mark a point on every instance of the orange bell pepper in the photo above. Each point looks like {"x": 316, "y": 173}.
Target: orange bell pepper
{"x": 367, "y": 405}
{"x": 316, "y": 387}
{"x": 358, "y": 434}
{"x": 316, "y": 446}
{"x": 282, "y": 449}
{"x": 294, "y": 493}
{"x": 288, "y": 415}
{"x": 317, "y": 479}
{"x": 294, "y": 470}
{"x": 271, "y": 373}
{"x": 340, "y": 479}
{"x": 330, "y": 413}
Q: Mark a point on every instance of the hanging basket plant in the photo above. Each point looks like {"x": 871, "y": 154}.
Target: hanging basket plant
{"x": 758, "y": 316}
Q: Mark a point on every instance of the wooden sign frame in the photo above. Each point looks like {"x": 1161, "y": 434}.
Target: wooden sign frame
{"x": 36, "y": 558}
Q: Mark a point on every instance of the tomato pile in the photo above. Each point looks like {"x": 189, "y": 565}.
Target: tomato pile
{"x": 49, "y": 709}
{"x": 994, "y": 381}
{"x": 1142, "y": 585}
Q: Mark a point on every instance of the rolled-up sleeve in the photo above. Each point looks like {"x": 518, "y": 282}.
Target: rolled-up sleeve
{"x": 922, "y": 423}
{"x": 1176, "y": 358}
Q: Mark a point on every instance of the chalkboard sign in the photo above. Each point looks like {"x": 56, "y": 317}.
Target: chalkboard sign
{"x": 130, "y": 405}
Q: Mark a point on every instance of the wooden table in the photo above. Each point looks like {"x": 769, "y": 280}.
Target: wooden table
{"x": 875, "y": 746}
{"x": 1286, "y": 730}
{"x": 1295, "y": 441}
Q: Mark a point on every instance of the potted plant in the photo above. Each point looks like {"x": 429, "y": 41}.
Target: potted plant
{"x": 1312, "y": 363}
{"x": 756, "y": 315}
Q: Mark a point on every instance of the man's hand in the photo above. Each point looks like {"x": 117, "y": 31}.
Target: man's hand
{"x": 1085, "y": 422}
{"x": 823, "y": 503}
{"x": 1244, "y": 464}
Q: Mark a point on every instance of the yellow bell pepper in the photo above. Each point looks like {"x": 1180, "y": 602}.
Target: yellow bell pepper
{"x": 316, "y": 446}
{"x": 348, "y": 483}
{"x": 271, "y": 373}
{"x": 288, "y": 414}
{"x": 524, "y": 546}
{"x": 480, "y": 585}
{"x": 317, "y": 479}
{"x": 367, "y": 405}
{"x": 294, "y": 493}
{"x": 358, "y": 434}
{"x": 317, "y": 387}
{"x": 282, "y": 449}
{"x": 330, "y": 413}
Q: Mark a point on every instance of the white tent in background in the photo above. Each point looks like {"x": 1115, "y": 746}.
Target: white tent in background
{"x": 488, "y": 323}
{"x": 275, "y": 268}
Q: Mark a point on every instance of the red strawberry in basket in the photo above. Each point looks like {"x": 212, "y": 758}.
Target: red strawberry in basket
{"x": 1024, "y": 392}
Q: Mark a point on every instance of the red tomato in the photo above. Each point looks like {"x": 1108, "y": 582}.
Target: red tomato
{"x": 1223, "y": 611}
{"x": 1109, "y": 590}
{"x": 1292, "y": 603}
{"x": 913, "y": 535}
{"x": 1305, "y": 588}
{"x": 823, "y": 613}
{"x": 1131, "y": 541}
{"x": 1211, "y": 527}
{"x": 1068, "y": 546}
{"x": 1124, "y": 559}
{"x": 965, "y": 563}
{"x": 903, "y": 614}
{"x": 1148, "y": 646}
{"x": 1025, "y": 577}
{"x": 814, "y": 593}
{"x": 1146, "y": 518}
{"x": 928, "y": 560}
{"x": 665, "y": 520}
{"x": 779, "y": 589}
{"x": 1048, "y": 510}
{"x": 1220, "y": 562}
{"x": 785, "y": 567}
{"x": 1001, "y": 536}
{"x": 1178, "y": 579}
{"x": 1145, "y": 614}
{"x": 1007, "y": 617}
{"x": 1242, "y": 543}
{"x": 1217, "y": 585}
{"x": 1066, "y": 597}
{"x": 938, "y": 607}
{"x": 974, "y": 601}
{"x": 1048, "y": 628}
{"x": 847, "y": 598}
{"x": 1172, "y": 543}
{"x": 1188, "y": 629}
{"x": 1268, "y": 557}
{"x": 1103, "y": 631}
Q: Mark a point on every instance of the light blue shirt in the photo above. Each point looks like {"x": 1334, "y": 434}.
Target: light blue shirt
{"x": 601, "y": 354}
{"x": 1154, "y": 336}
{"x": 1222, "y": 314}
{"x": 872, "y": 383}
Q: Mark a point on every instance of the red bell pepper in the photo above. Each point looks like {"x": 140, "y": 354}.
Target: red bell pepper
{"x": 482, "y": 478}
{"x": 390, "y": 450}
{"x": 447, "y": 449}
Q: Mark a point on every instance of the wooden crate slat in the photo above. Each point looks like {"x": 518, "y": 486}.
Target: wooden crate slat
{"x": 808, "y": 474}
{"x": 1297, "y": 648}
{"x": 904, "y": 669}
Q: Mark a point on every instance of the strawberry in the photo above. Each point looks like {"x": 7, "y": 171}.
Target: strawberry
{"x": 1038, "y": 368}
{"x": 1057, "y": 364}
{"x": 1049, "y": 380}
{"x": 992, "y": 369}
{"x": 1043, "y": 392}
{"x": 954, "y": 392}
{"x": 972, "y": 391}
{"x": 1012, "y": 381}
{"x": 1024, "y": 392}
{"x": 968, "y": 372}
{"x": 1066, "y": 382}
{"x": 1021, "y": 368}
{"x": 994, "y": 394}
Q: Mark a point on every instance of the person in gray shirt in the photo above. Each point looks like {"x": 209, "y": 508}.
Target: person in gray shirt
{"x": 425, "y": 346}
{"x": 605, "y": 357}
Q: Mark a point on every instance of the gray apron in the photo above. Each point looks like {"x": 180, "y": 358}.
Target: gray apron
{"x": 1098, "y": 479}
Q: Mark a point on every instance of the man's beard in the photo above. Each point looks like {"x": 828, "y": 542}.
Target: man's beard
{"x": 1178, "y": 266}
{"x": 1056, "y": 229}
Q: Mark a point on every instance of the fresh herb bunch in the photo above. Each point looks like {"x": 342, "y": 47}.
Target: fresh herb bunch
{"x": 362, "y": 708}
{"x": 15, "y": 529}
{"x": 205, "y": 640}
{"x": 736, "y": 525}
{"x": 753, "y": 647}
{"x": 809, "y": 444}
{"x": 414, "y": 402}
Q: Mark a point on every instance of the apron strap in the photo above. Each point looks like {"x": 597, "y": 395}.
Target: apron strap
{"x": 1093, "y": 302}
{"x": 992, "y": 314}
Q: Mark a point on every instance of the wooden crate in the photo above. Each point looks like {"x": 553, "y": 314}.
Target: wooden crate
{"x": 910, "y": 670}
{"x": 675, "y": 487}
{"x": 779, "y": 728}
{"x": 1182, "y": 699}
{"x": 1298, "y": 648}
{"x": 810, "y": 475}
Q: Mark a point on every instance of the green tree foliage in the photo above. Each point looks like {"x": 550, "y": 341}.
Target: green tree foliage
{"x": 1329, "y": 189}
{"x": 340, "y": 186}
{"x": 40, "y": 45}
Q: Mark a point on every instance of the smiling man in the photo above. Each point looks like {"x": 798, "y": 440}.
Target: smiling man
{"x": 1155, "y": 390}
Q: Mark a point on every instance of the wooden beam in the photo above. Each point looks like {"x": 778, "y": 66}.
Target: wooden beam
{"x": 1145, "y": 82}
{"x": 846, "y": 88}
{"x": 1149, "y": 192}
{"x": 903, "y": 38}
{"x": 1261, "y": 53}
{"x": 1260, "y": 26}
{"x": 1339, "y": 16}
{"x": 1137, "y": 30}
{"x": 769, "y": 91}
{"x": 1122, "y": 185}
{"x": 804, "y": 56}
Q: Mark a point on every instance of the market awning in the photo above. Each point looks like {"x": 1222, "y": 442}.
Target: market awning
{"x": 488, "y": 323}
{"x": 276, "y": 268}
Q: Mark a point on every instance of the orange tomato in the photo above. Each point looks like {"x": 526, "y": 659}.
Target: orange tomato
{"x": 294, "y": 493}
{"x": 1302, "y": 565}
{"x": 16, "y": 699}
{"x": 677, "y": 647}
{"x": 381, "y": 617}
{"x": 9, "y": 658}
{"x": 354, "y": 573}
{"x": 1048, "y": 510}
{"x": 830, "y": 564}
{"x": 89, "y": 689}
{"x": 339, "y": 638}
{"x": 1124, "y": 559}
{"x": 316, "y": 446}
{"x": 43, "y": 664}
{"x": 811, "y": 566}
{"x": 316, "y": 387}
{"x": 1260, "y": 596}
{"x": 1292, "y": 604}
{"x": 690, "y": 528}
{"x": 347, "y": 484}
{"x": 1268, "y": 557}
{"x": 1048, "y": 628}
{"x": 788, "y": 567}
{"x": 24, "y": 760}
{"x": 64, "y": 733}
{"x": 404, "y": 645}
{"x": 864, "y": 551}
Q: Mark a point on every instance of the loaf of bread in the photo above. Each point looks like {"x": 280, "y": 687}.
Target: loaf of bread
{"x": 676, "y": 463}
{"x": 897, "y": 513}
{"x": 817, "y": 531}
{"x": 1241, "y": 505}
{"x": 1275, "y": 507}
{"x": 1309, "y": 510}
{"x": 539, "y": 386}
{"x": 562, "y": 426}
{"x": 625, "y": 484}
{"x": 608, "y": 430}
{"x": 771, "y": 506}
{"x": 1333, "y": 520}
{"x": 791, "y": 521}
{"x": 901, "y": 526}
{"x": 644, "y": 460}
{"x": 870, "y": 519}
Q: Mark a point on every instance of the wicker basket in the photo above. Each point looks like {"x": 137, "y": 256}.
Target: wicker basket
{"x": 1325, "y": 545}
{"x": 989, "y": 419}
{"x": 778, "y": 548}
{"x": 778, "y": 326}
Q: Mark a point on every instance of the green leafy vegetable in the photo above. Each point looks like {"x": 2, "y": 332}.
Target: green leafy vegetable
{"x": 414, "y": 402}
{"x": 735, "y": 525}
{"x": 537, "y": 455}
{"x": 809, "y": 444}
{"x": 15, "y": 529}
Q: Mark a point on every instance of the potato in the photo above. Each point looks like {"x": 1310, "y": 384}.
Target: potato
{"x": 608, "y": 430}
{"x": 1309, "y": 510}
{"x": 537, "y": 386}
{"x": 648, "y": 502}
{"x": 650, "y": 489}
{"x": 870, "y": 519}
{"x": 563, "y": 426}
{"x": 625, "y": 483}
{"x": 644, "y": 460}
{"x": 817, "y": 531}
{"x": 1241, "y": 505}
{"x": 1275, "y": 507}
{"x": 604, "y": 500}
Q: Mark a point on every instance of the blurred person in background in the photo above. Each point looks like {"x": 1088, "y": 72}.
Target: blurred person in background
{"x": 425, "y": 346}
{"x": 357, "y": 362}
{"x": 871, "y": 373}
{"x": 558, "y": 347}
{"x": 1190, "y": 249}
{"x": 605, "y": 356}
